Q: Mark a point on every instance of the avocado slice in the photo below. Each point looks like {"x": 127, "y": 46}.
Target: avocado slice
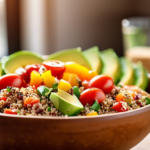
{"x": 0, "y": 68}
{"x": 66, "y": 103}
{"x": 127, "y": 71}
{"x": 74, "y": 55}
{"x": 141, "y": 76}
{"x": 20, "y": 59}
{"x": 92, "y": 55}
{"x": 3, "y": 60}
{"x": 111, "y": 64}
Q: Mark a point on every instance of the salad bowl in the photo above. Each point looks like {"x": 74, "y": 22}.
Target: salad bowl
{"x": 120, "y": 131}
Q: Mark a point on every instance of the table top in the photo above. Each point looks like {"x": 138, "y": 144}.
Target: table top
{"x": 144, "y": 144}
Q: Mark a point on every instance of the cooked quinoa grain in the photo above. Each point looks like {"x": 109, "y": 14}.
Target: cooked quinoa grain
{"x": 133, "y": 98}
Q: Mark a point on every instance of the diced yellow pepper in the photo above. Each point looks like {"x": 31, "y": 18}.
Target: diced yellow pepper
{"x": 48, "y": 79}
{"x": 64, "y": 85}
{"x": 93, "y": 113}
{"x": 71, "y": 78}
{"x": 36, "y": 79}
{"x": 82, "y": 72}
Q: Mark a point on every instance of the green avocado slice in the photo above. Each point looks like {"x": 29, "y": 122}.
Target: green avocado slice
{"x": 74, "y": 55}
{"x": 3, "y": 60}
{"x": 20, "y": 59}
{"x": 141, "y": 76}
{"x": 66, "y": 103}
{"x": 92, "y": 55}
{"x": 127, "y": 71}
{"x": 0, "y": 68}
{"x": 111, "y": 64}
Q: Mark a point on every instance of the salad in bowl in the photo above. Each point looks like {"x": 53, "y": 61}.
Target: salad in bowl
{"x": 73, "y": 94}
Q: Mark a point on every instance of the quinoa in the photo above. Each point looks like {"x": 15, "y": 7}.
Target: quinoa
{"x": 15, "y": 101}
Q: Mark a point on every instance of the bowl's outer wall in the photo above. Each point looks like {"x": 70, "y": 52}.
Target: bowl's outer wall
{"x": 121, "y": 131}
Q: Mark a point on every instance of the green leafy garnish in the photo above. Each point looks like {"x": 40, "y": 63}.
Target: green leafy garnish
{"x": 95, "y": 106}
{"x": 119, "y": 85}
{"x": 147, "y": 100}
{"x": 8, "y": 89}
{"x": 42, "y": 90}
{"x": 76, "y": 91}
{"x": 55, "y": 86}
{"x": 40, "y": 99}
{"x": 49, "y": 109}
{"x": 49, "y": 92}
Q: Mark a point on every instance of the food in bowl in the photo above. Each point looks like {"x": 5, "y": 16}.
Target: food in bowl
{"x": 56, "y": 88}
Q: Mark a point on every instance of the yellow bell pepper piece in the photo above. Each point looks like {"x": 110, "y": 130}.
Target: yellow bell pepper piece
{"x": 48, "y": 79}
{"x": 82, "y": 72}
{"x": 36, "y": 79}
{"x": 71, "y": 78}
{"x": 64, "y": 85}
{"x": 93, "y": 113}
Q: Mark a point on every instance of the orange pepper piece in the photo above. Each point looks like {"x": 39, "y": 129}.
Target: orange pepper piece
{"x": 71, "y": 78}
{"x": 31, "y": 101}
{"x": 119, "y": 97}
{"x": 93, "y": 113}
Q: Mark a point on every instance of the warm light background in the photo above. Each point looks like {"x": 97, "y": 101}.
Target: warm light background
{"x": 45, "y": 26}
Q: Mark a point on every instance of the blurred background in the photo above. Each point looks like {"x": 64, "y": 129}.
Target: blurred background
{"x": 46, "y": 26}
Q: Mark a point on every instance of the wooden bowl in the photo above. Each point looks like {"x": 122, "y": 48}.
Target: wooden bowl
{"x": 120, "y": 131}
{"x": 115, "y": 131}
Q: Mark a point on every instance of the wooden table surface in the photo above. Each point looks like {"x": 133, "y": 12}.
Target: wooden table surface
{"x": 143, "y": 145}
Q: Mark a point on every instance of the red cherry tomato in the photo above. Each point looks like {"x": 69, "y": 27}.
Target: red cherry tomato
{"x": 103, "y": 82}
{"x": 118, "y": 107}
{"x": 3, "y": 98}
{"x": 25, "y": 72}
{"x": 9, "y": 111}
{"x": 92, "y": 94}
{"x": 11, "y": 80}
{"x": 57, "y": 67}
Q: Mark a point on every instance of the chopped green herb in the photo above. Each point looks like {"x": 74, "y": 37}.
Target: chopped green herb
{"x": 147, "y": 100}
{"x": 40, "y": 99}
{"x": 41, "y": 90}
{"x": 76, "y": 91}
{"x": 95, "y": 106}
{"x": 8, "y": 89}
{"x": 18, "y": 112}
{"x": 49, "y": 109}
{"x": 49, "y": 92}
{"x": 119, "y": 85}
{"x": 55, "y": 86}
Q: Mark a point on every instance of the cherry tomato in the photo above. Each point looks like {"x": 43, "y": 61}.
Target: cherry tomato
{"x": 103, "y": 82}
{"x": 118, "y": 107}
{"x": 3, "y": 98}
{"x": 57, "y": 67}
{"x": 9, "y": 111}
{"x": 11, "y": 80}
{"x": 25, "y": 72}
{"x": 92, "y": 94}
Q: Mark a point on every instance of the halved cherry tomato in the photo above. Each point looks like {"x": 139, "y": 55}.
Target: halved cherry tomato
{"x": 3, "y": 98}
{"x": 118, "y": 107}
{"x": 103, "y": 82}
{"x": 26, "y": 72}
{"x": 9, "y": 111}
{"x": 92, "y": 94}
{"x": 57, "y": 67}
{"x": 31, "y": 101}
{"x": 11, "y": 80}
